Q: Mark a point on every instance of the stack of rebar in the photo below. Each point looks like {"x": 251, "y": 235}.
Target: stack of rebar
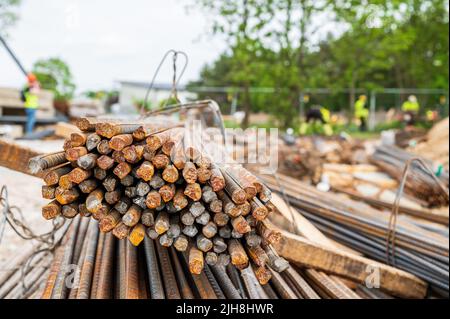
{"x": 18, "y": 281}
{"x": 420, "y": 183}
{"x": 414, "y": 247}
{"x": 90, "y": 264}
{"x": 142, "y": 181}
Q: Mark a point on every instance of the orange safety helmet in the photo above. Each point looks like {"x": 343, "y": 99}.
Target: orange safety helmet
{"x": 31, "y": 78}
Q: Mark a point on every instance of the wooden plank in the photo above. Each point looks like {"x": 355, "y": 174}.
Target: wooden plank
{"x": 64, "y": 129}
{"x": 304, "y": 227}
{"x": 305, "y": 253}
{"x": 309, "y": 231}
{"x": 16, "y": 157}
{"x": 10, "y": 97}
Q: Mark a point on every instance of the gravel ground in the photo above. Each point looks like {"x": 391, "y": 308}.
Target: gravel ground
{"x": 24, "y": 191}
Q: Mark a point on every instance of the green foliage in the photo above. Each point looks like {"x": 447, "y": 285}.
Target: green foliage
{"x": 8, "y": 15}
{"x": 101, "y": 94}
{"x": 140, "y": 102}
{"x": 169, "y": 101}
{"x": 382, "y": 43}
{"x": 54, "y": 75}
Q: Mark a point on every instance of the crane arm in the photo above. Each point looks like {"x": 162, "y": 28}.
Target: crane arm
{"x": 2, "y": 40}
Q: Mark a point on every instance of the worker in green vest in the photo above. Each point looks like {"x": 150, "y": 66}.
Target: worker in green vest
{"x": 361, "y": 112}
{"x": 314, "y": 115}
{"x": 410, "y": 109}
{"x": 31, "y": 101}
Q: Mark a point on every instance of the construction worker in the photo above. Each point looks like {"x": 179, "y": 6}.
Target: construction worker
{"x": 31, "y": 101}
{"x": 410, "y": 109}
{"x": 318, "y": 114}
{"x": 361, "y": 112}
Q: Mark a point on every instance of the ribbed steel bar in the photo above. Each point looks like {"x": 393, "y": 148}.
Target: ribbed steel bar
{"x": 380, "y": 255}
{"x": 270, "y": 291}
{"x": 121, "y": 269}
{"x": 97, "y": 265}
{"x": 376, "y": 243}
{"x": 156, "y": 285}
{"x": 87, "y": 268}
{"x": 74, "y": 289}
{"x": 54, "y": 270}
{"x": 16, "y": 279}
{"x": 29, "y": 280}
{"x": 60, "y": 291}
{"x": 301, "y": 284}
{"x": 142, "y": 275}
{"x": 81, "y": 236}
{"x": 225, "y": 282}
{"x": 252, "y": 285}
{"x": 237, "y": 281}
{"x": 11, "y": 266}
{"x": 292, "y": 285}
{"x": 374, "y": 248}
{"x": 214, "y": 284}
{"x": 183, "y": 283}
{"x": 168, "y": 275}
{"x": 104, "y": 289}
{"x": 131, "y": 275}
{"x": 201, "y": 283}
{"x": 282, "y": 287}
{"x": 326, "y": 284}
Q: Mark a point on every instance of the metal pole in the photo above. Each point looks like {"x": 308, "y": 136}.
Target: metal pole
{"x": 301, "y": 106}
{"x": 13, "y": 56}
{"x": 234, "y": 103}
{"x": 373, "y": 107}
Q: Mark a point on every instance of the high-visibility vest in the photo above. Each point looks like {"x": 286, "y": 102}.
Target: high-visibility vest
{"x": 360, "y": 110}
{"x": 31, "y": 100}
{"x": 410, "y": 106}
{"x": 325, "y": 114}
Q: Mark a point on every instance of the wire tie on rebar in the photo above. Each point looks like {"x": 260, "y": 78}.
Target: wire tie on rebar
{"x": 391, "y": 233}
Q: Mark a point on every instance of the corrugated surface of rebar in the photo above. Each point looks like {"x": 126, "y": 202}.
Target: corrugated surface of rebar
{"x": 225, "y": 282}
{"x": 156, "y": 286}
{"x": 87, "y": 269}
{"x": 131, "y": 276}
{"x": 183, "y": 283}
{"x": 168, "y": 275}
{"x": 104, "y": 289}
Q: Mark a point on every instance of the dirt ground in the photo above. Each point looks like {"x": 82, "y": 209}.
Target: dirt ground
{"x": 24, "y": 191}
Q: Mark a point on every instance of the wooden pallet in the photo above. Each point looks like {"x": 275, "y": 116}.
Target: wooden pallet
{"x": 11, "y": 104}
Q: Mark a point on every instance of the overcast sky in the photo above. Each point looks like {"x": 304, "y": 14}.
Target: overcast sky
{"x": 105, "y": 41}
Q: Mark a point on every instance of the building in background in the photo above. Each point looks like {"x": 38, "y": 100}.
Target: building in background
{"x": 132, "y": 94}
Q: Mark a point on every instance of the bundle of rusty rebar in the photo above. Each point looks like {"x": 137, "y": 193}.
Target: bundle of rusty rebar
{"x": 145, "y": 181}
{"x": 420, "y": 183}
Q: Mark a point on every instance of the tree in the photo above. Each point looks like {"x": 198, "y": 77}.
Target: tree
{"x": 281, "y": 44}
{"x": 8, "y": 16}
{"x": 269, "y": 40}
{"x": 54, "y": 75}
{"x": 240, "y": 22}
{"x": 402, "y": 43}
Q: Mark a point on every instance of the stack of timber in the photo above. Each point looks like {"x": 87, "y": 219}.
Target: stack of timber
{"x": 435, "y": 146}
{"x": 306, "y": 159}
{"x": 12, "y": 105}
{"x": 420, "y": 183}
{"x": 416, "y": 247}
{"x": 365, "y": 182}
